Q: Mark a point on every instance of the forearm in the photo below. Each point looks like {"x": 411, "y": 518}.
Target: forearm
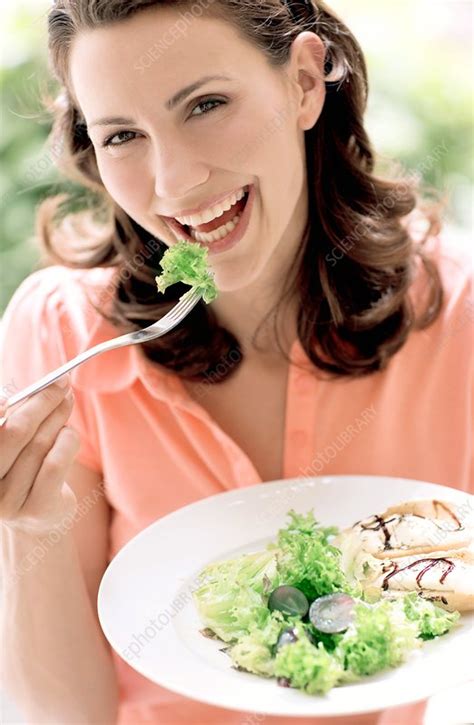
{"x": 54, "y": 659}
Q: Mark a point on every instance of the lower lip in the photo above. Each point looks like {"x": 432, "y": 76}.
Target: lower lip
{"x": 229, "y": 241}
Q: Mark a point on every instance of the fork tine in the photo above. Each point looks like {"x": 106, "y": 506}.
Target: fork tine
{"x": 171, "y": 319}
{"x": 188, "y": 304}
{"x": 171, "y": 314}
{"x": 180, "y": 310}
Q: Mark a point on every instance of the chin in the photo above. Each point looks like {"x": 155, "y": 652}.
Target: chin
{"x": 234, "y": 276}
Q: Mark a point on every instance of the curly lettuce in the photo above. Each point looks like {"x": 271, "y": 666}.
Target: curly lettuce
{"x": 232, "y": 598}
{"x": 431, "y": 620}
{"x": 232, "y": 601}
{"x": 187, "y": 262}
{"x": 236, "y": 591}
{"x": 380, "y": 637}
{"x": 254, "y": 652}
{"x": 306, "y": 559}
{"x": 308, "y": 667}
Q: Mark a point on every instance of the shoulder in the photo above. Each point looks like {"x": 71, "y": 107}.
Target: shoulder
{"x": 448, "y": 250}
{"x": 448, "y": 339}
{"x": 57, "y": 290}
{"x": 454, "y": 255}
{"x": 451, "y": 255}
{"x": 51, "y": 314}
{"x": 60, "y": 285}
{"x": 454, "y": 263}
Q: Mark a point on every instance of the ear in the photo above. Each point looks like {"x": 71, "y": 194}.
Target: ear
{"x": 307, "y": 73}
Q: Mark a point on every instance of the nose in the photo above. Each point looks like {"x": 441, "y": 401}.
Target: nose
{"x": 178, "y": 169}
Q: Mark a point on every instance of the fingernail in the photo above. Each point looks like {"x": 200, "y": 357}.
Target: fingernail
{"x": 63, "y": 381}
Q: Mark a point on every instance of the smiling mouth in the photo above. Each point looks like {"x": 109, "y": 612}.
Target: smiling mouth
{"x": 214, "y": 230}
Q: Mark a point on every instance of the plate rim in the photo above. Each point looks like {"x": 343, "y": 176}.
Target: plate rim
{"x": 229, "y": 495}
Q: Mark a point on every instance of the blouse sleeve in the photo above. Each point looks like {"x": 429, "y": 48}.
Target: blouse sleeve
{"x": 41, "y": 331}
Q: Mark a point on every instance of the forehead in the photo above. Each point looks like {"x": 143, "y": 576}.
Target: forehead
{"x": 148, "y": 54}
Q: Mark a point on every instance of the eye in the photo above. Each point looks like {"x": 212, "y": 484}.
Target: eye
{"x": 206, "y": 103}
{"x": 120, "y": 138}
{"x": 123, "y": 137}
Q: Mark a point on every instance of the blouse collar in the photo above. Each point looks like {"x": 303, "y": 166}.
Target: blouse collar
{"x": 119, "y": 369}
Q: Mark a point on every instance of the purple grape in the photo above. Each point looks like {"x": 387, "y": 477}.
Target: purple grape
{"x": 288, "y": 600}
{"x": 332, "y": 613}
{"x": 288, "y": 636}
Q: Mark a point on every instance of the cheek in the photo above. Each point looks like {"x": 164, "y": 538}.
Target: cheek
{"x": 126, "y": 181}
{"x": 263, "y": 135}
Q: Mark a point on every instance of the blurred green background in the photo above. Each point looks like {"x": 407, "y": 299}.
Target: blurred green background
{"x": 419, "y": 54}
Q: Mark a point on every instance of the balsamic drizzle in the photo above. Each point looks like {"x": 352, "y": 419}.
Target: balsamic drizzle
{"x": 381, "y": 524}
{"x": 437, "y": 599}
{"x": 397, "y": 570}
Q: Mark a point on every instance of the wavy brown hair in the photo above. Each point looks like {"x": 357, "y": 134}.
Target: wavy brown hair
{"x": 356, "y": 260}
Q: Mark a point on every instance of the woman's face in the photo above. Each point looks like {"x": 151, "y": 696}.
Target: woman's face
{"x": 157, "y": 161}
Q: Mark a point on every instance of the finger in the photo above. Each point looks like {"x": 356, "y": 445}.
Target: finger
{"x": 22, "y": 423}
{"x": 50, "y": 479}
{"x": 18, "y": 482}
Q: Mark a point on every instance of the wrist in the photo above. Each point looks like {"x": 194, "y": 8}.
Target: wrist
{"x": 24, "y": 549}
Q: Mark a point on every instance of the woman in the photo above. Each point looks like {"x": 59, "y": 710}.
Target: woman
{"x": 338, "y": 342}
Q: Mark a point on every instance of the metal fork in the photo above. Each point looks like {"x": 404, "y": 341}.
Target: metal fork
{"x": 157, "y": 329}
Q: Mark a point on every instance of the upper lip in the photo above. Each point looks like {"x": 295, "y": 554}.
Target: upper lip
{"x": 206, "y": 205}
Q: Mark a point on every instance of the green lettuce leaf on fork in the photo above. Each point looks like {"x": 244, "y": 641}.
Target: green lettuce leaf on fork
{"x": 187, "y": 262}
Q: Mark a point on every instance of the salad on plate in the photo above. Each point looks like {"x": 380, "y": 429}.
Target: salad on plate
{"x": 312, "y": 610}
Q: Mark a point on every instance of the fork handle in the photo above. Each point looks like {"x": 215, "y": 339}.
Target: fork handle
{"x": 164, "y": 325}
{"x": 51, "y": 378}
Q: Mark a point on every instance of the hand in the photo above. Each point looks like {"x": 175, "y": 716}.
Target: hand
{"x": 36, "y": 452}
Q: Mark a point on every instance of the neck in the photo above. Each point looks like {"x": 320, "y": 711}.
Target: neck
{"x": 254, "y": 308}
{"x": 242, "y": 311}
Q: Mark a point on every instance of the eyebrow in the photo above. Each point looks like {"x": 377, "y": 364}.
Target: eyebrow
{"x": 169, "y": 105}
{"x": 185, "y": 92}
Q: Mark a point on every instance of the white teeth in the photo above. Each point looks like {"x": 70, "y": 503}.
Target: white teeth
{"x": 217, "y": 234}
{"x": 212, "y": 213}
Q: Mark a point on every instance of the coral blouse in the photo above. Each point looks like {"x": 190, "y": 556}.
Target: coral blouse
{"x": 413, "y": 420}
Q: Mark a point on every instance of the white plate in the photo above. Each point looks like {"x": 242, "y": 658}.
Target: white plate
{"x": 153, "y": 576}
